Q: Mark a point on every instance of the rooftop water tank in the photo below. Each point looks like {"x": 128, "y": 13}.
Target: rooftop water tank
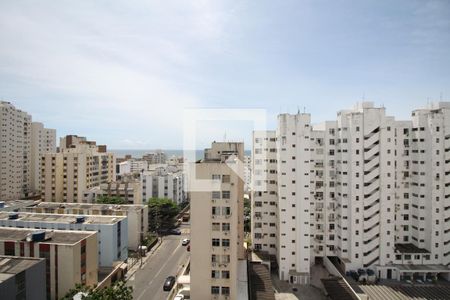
{"x": 38, "y": 236}
{"x": 13, "y": 216}
{"x": 80, "y": 219}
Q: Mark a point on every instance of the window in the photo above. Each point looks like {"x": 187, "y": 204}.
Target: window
{"x": 225, "y": 290}
{"x": 225, "y": 243}
{"x": 215, "y": 274}
{"x": 226, "y": 178}
{"x": 216, "y": 177}
{"x": 215, "y": 290}
{"x": 225, "y": 274}
{"x": 216, "y": 195}
{"x": 226, "y": 194}
{"x": 225, "y": 226}
{"x": 215, "y": 210}
{"x": 226, "y": 211}
{"x": 215, "y": 242}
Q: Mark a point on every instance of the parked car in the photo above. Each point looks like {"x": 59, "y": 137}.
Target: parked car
{"x": 362, "y": 275}
{"x": 168, "y": 283}
{"x": 175, "y": 231}
{"x": 354, "y": 275}
{"x": 179, "y": 297}
{"x": 185, "y": 242}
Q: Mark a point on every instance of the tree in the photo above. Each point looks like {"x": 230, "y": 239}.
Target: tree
{"x": 110, "y": 200}
{"x": 247, "y": 215}
{"x": 161, "y": 213}
{"x": 118, "y": 291}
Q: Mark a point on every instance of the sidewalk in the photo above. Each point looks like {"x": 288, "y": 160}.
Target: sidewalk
{"x": 137, "y": 265}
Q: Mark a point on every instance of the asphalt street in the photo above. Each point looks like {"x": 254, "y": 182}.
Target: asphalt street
{"x": 148, "y": 282}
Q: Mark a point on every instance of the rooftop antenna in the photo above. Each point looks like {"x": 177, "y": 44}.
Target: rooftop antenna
{"x": 440, "y": 96}
{"x": 225, "y": 136}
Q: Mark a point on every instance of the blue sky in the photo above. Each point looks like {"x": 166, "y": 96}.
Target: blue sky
{"x": 122, "y": 72}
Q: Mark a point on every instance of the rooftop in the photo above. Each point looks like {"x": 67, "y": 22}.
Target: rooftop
{"x": 11, "y": 265}
{"x": 62, "y": 218}
{"x": 68, "y": 237}
{"x": 409, "y": 248}
{"x": 16, "y": 204}
{"x": 121, "y": 207}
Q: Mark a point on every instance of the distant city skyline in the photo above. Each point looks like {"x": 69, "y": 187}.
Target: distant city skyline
{"x": 122, "y": 74}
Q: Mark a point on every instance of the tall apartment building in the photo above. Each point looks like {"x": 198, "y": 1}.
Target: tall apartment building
{"x": 155, "y": 158}
{"x": 217, "y": 252}
{"x": 365, "y": 189}
{"x": 70, "y": 256}
{"x": 247, "y": 172}
{"x": 15, "y": 152}
{"x": 264, "y": 198}
{"x": 22, "y": 143}
{"x": 43, "y": 140}
{"x": 163, "y": 182}
{"x": 132, "y": 166}
{"x": 78, "y": 166}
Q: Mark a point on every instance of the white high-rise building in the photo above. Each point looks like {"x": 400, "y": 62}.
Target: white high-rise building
{"x": 247, "y": 172}
{"x": 163, "y": 182}
{"x": 15, "y": 152}
{"x": 366, "y": 189}
{"x": 43, "y": 140}
{"x": 264, "y": 198}
{"x": 22, "y": 144}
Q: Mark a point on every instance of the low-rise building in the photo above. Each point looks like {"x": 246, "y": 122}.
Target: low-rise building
{"x": 22, "y": 278}
{"x": 70, "y": 256}
{"x": 137, "y": 215}
{"x": 112, "y": 230}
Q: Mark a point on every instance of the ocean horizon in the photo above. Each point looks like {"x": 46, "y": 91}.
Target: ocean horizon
{"x": 137, "y": 153}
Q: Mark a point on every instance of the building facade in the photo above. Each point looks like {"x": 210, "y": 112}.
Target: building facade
{"x": 163, "y": 182}
{"x": 22, "y": 278}
{"x": 15, "y": 152}
{"x": 217, "y": 252}
{"x": 112, "y": 230}
{"x": 43, "y": 140}
{"x": 366, "y": 189}
{"x": 137, "y": 215}
{"x": 79, "y": 166}
{"x": 70, "y": 256}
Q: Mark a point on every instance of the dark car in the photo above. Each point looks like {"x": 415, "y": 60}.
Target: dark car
{"x": 168, "y": 283}
{"x": 175, "y": 231}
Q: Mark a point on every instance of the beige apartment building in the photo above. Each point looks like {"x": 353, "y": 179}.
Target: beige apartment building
{"x": 71, "y": 256}
{"x": 217, "y": 254}
{"x": 79, "y": 166}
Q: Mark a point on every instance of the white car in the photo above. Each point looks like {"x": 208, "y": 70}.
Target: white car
{"x": 185, "y": 242}
{"x": 179, "y": 297}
